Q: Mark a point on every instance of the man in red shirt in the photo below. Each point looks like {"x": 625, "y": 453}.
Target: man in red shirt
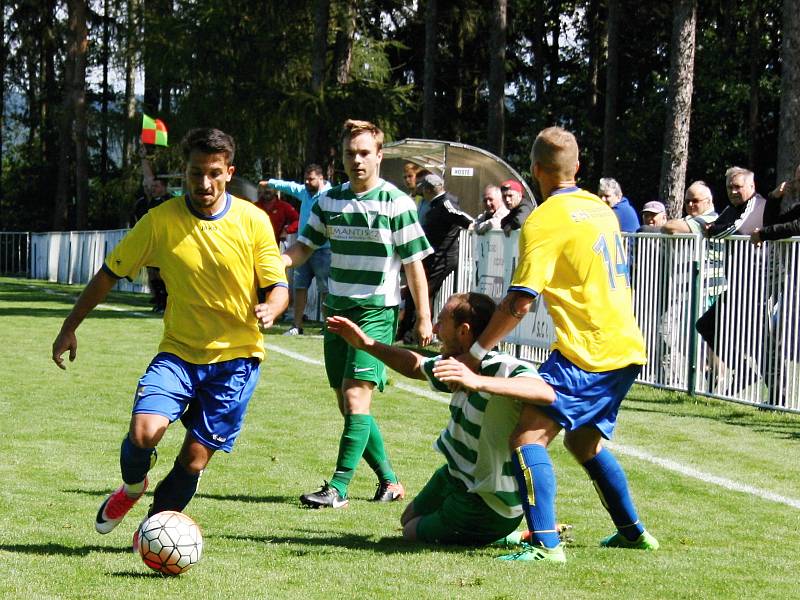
{"x": 282, "y": 215}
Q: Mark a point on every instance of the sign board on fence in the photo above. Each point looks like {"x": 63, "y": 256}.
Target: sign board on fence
{"x": 495, "y": 261}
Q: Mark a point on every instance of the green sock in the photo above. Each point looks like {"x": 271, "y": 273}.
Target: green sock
{"x": 375, "y": 455}
{"x": 351, "y": 448}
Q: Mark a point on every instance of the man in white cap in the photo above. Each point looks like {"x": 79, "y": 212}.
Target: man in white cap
{"x": 654, "y": 213}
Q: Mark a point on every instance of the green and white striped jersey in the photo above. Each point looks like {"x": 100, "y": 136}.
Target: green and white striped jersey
{"x": 371, "y": 234}
{"x": 475, "y": 441}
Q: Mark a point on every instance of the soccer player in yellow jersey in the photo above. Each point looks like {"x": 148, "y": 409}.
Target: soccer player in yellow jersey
{"x": 215, "y": 251}
{"x": 572, "y": 254}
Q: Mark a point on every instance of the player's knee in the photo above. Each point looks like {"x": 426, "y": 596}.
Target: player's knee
{"x": 357, "y": 397}
{"x": 147, "y": 430}
{"x": 408, "y": 514}
{"x": 410, "y": 530}
{"x": 194, "y": 464}
{"x": 583, "y": 448}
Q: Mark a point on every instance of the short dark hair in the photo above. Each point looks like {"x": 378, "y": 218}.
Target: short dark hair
{"x": 163, "y": 180}
{"x": 208, "y": 140}
{"x": 313, "y": 168}
{"x": 474, "y": 309}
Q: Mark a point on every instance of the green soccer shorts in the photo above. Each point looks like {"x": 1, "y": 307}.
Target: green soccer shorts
{"x": 452, "y": 515}
{"x": 342, "y": 361}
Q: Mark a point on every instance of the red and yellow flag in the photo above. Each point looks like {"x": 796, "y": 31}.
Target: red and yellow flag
{"x": 153, "y": 131}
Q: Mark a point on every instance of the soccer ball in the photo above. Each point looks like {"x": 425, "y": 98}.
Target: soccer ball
{"x": 170, "y": 542}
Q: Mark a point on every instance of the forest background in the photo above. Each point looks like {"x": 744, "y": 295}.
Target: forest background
{"x": 659, "y": 93}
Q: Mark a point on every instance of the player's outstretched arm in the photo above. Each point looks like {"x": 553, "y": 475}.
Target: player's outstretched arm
{"x": 276, "y": 302}
{"x": 93, "y": 294}
{"x": 418, "y": 284}
{"x": 296, "y": 255}
{"x": 403, "y": 361}
{"x": 526, "y": 389}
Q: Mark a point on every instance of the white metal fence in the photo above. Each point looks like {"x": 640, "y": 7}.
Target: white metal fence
{"x": 753, "y": 294}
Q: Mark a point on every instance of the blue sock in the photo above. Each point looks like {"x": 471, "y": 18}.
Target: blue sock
{"x": 537, "y": 487}
{"x": 135, "y": 462}
{"x": 612, "y": 487}
{"x": 175, "y": 490}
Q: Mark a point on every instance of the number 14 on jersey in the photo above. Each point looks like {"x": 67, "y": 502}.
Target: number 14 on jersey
{"x": 618, "y": 266}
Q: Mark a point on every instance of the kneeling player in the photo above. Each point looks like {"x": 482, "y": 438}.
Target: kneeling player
{"x": 473, "y": 499}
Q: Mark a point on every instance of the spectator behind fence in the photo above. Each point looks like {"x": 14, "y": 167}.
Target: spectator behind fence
{"x": 423, "y": 204}
{"x": 742, "y": 216}
{"x": 781, "y": 212}
{"x": 282, "y": 215}
{"x": 318, "y": 265}
{"x": 699, "y": 205}
{"x": 672, "y": 323}
{"x": 442, "y": 227}
{"x": 610, "y": 192}
{"x": 654, "y": 214}
{"x": 490, "y": 218}
{"x": 155, "y": 193}
{"x": 410, "y": 171}
{"x": 519, "y": 206}
{"x": 781, "y": 221}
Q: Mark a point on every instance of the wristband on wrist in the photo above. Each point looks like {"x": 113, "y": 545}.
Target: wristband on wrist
{"x": 477, "y": 351}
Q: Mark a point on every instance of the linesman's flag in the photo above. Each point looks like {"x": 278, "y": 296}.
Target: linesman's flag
{"x": 153, "y": 131}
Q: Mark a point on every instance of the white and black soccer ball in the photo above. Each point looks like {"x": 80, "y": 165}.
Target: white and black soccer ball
{"x": 170, "y": 542}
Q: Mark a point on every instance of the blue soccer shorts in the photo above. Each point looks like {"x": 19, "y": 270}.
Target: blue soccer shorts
{"x": 318, "y": 265}
{"x": 219, "y": 392}
{"x": 585, "y": 398}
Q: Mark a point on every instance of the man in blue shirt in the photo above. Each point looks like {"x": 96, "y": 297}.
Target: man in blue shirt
{"x": 319, "y": 264}
{"x": 610, "y": 192}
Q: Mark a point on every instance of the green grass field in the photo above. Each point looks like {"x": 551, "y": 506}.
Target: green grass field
{"x": 59, "y": 457}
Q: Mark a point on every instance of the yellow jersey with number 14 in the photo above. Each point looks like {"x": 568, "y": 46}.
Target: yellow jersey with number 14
{"x": 571, "y": 251}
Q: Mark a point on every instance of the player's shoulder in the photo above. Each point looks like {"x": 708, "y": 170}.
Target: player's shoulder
{"x": 336, "y": 192}
{"x": 175, "y": 203}
{"x": 246, "y": 211}
{"x": 500, "y": 364}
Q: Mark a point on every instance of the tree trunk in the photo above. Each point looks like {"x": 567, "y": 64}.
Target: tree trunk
{"x": 458, "y": 87}
{"x": 105, "y": 57}
{"x": 594, "y": 35}
{"x": 345, "y": 36}
{"x": 612, "y": 89}
{"x": 538, "y": 49}
{"x": 65, "y": 146}
{"x": 755, "y": 73}
{"x": 789, "y": 128}
{"x": 48, "y": 107}
{"x": 679, "y": 106}
{"x": 150, "y": 58}
{"x": 497, "y": 78}
{"x": 32, "y": 94}
{"x": 132, "y": 23}
{"x": 319, "y": 50}
{"x": 555, "y": 50}
{"x": 72, "y": 133}
{"x": 429, "y": 75}
{"x": 78, "y": 11}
